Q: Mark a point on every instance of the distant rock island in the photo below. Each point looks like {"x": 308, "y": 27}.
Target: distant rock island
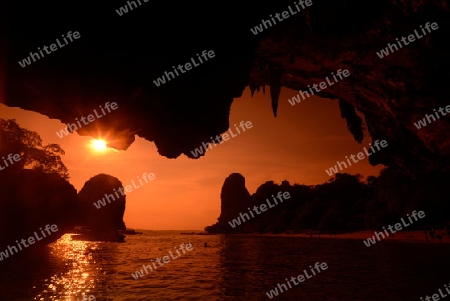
{"x": 343, "y": 204}
{"x": 105, "y": 222}
{"x": 235, "y": 199}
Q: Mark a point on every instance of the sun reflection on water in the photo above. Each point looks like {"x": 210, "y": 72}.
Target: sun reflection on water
{"x": 77, "y": 279}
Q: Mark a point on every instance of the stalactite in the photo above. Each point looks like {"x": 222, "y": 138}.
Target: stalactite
{"x": 354, "y": 122}
{"x": 275, "y": 88}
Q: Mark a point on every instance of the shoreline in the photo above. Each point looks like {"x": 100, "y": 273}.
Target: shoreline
{"x": 416, "y": 236}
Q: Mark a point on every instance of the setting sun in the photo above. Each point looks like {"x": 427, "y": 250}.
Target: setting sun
{"x": 99, "y": 145}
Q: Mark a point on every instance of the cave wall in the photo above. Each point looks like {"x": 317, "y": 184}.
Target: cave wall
{"x": 391, "y": 93}
{"x": 116, "y": 60}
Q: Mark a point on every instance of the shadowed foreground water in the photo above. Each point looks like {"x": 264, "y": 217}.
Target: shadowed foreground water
{"x": 230, "y": 268}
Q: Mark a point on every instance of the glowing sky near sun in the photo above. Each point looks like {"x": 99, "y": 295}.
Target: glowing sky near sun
{"x": 98, "y": 145}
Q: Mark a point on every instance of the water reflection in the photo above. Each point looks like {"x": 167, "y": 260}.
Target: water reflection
{"x": 230, "y": 268}
{"x": 79, "y": 275}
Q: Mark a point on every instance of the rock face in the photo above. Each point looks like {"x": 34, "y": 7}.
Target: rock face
{"x": 392, "y": 93}
{"x": 343, "y": 204}
{"x": 118, "y": 61}
{"x": 30, "y": 200}
{"x": 105, "y": 218}
{"x": 235, "y": 199}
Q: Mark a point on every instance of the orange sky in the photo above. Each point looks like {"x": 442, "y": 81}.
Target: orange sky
{"x": 297, "y": 146}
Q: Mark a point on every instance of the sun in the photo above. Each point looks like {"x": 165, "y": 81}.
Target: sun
{"x": 99, "y": 145}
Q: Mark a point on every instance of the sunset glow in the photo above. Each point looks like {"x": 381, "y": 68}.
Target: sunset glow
{"x": 99, "y": 145}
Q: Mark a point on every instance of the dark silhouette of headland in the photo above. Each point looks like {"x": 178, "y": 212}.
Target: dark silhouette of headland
{"x": 36, "y": 192}
{"x": 344, "y": 204}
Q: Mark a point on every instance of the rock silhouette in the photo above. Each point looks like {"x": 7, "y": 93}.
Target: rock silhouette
{"x": 235, "y": 198}
{"x": 36, "y": 197}
{"x": 343, "y": 204}
{"x": 105, "y": 221}
{"x": 32, "y": 199}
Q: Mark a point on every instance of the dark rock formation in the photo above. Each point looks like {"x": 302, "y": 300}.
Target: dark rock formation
{"x": 118, "y": 58}
{"x": 235, "y": 199}
{"x": 392, "y": 93}
{"x": 344, "y": 204}
{"x": 105, "y": 219}
{"x": 31, "y": 200}
{"x": 234, "y": 196}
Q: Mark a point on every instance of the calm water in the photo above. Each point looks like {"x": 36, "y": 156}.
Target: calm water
{"x": 230, "y": 268}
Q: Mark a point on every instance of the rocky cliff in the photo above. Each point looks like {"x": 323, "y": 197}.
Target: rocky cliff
{"x": 31, "y": 200}
{"x": 392, "y": 93}
{"x": 235, "y": 199}
{"x": 102, "y": 206}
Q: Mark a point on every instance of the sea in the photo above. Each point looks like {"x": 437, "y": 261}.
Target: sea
{"x": 228, "y": 267}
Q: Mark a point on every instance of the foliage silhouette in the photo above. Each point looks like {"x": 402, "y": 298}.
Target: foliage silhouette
{"x": 28, "y": 144}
